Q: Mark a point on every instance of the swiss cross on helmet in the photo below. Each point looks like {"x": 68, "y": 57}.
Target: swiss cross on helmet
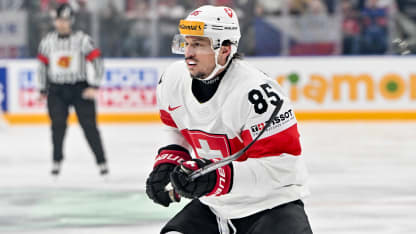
{"x": 218, "y": 23}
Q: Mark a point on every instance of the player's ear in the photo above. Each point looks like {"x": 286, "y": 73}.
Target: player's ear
{"x": 225, "y": 50}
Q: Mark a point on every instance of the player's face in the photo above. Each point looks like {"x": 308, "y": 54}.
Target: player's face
{"x": 199, "y": 56}
{"x": 63, "y": 26}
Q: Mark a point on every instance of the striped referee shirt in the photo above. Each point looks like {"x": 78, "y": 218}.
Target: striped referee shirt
{"x": 63, "y": 60}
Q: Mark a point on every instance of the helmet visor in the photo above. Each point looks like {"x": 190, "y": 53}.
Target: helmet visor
{"x": 178, "y": 44}
{"x": 193, "y": 44}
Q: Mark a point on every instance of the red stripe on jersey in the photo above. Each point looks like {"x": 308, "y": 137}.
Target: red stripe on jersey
{"x": 43, "y": 59}
{"x": 185, "y": 134}
{"x": 286, "y": 141}
{"x": 93, "y": 54}
{"x": 236, "y": 145}
{"x": 167, "y": 119}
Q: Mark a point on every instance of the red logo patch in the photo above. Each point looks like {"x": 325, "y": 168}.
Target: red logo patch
{"x": 229, "y": 12}
{"x": 64, "y": 61}
{"x": 260, "y": 126}
{"x": 208, "y": 145}
{"x": 195, "y": 13}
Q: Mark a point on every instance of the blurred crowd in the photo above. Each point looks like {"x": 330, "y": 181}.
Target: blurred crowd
{"x": 361, "y": 26}
{"x": 365, "y": 27}
{"x": 144, "y": 28}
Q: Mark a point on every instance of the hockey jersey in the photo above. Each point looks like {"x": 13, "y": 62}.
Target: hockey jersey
{"x": 64, "y": 60}
{"x": 272, "y": 171}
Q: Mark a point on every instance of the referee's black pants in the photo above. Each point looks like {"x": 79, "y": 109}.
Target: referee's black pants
{"x": 60, "y": 98}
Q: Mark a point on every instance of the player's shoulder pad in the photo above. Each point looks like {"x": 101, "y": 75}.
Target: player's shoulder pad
{"x": 170, "y": 80}
{"x": 241, "y": 78}
{"x": 247, "y": 76}
{"x": 256, "y": 86}
{"x": 172, "y": 73}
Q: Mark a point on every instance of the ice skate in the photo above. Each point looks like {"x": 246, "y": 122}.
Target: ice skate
{"x": 103, "y": 169}
{"x": 56, "y": 168}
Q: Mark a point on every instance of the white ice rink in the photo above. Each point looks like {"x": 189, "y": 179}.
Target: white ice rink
{"x": 362, "y": 179}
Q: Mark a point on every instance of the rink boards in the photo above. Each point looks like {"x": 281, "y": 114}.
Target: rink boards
{"x": 321, "y": 88}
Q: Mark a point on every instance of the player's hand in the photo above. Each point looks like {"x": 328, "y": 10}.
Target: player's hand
{"x": 156, "y": 185}
{"x": 42, "y": 96}
{"x": 89, "y": 93}
{"x": 215, "y": 183}
{"x": 167, "y": 159}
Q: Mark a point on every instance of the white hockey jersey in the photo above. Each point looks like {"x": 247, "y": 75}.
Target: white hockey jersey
{"x": 272, "y": 171}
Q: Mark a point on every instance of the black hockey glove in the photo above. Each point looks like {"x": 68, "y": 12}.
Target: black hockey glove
{"x": 217, "y": 183}
{"x": 167, "y": 159}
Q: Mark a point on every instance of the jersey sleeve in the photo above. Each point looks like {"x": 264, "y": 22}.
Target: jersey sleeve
{"x": 161, "y": 94}
{"x": 43, "y": 63}
{"x": 93, "y": 54}
{"x": 171, "y": 131}
{"x": 275, "y": 159}
{"x": 282, "y": 136}
{"x": 88, "y": 48}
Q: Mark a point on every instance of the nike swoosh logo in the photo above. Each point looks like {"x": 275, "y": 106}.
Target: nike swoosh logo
{"x": 173, "y": 108}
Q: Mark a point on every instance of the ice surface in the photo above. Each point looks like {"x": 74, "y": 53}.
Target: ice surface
{"x": 362, "y": 179}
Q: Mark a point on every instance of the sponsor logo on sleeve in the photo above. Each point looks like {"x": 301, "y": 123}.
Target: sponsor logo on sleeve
{"x": 277, "y": 122}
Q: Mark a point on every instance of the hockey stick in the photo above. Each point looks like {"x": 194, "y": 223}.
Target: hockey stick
{"x": 225, "y": 161}
{"x": 215, "y": 165}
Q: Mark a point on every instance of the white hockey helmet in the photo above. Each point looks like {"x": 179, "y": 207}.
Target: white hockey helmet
{"x": 218, "y": 23}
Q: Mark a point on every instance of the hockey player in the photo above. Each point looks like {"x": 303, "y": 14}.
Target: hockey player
{"x": 63, "y": 57}
{"x": 213, "y": 104}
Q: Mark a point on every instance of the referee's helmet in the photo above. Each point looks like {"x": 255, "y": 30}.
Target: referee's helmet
{"x": 64, "y": 11}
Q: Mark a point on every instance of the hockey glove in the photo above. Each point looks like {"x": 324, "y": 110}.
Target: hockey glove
{"x": 168, "y": 157}
{"x": 215, "y": 183}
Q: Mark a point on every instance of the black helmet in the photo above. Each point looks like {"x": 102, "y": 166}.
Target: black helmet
{"x": 64, "y": 11}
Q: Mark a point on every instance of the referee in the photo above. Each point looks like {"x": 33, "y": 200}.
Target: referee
{"x": 62, "y": 73}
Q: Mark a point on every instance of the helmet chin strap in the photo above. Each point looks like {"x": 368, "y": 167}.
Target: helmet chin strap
{"x": 218, "y": 67}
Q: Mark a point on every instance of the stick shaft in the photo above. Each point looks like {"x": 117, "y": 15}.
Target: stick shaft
{"x": 225, "y": 161}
